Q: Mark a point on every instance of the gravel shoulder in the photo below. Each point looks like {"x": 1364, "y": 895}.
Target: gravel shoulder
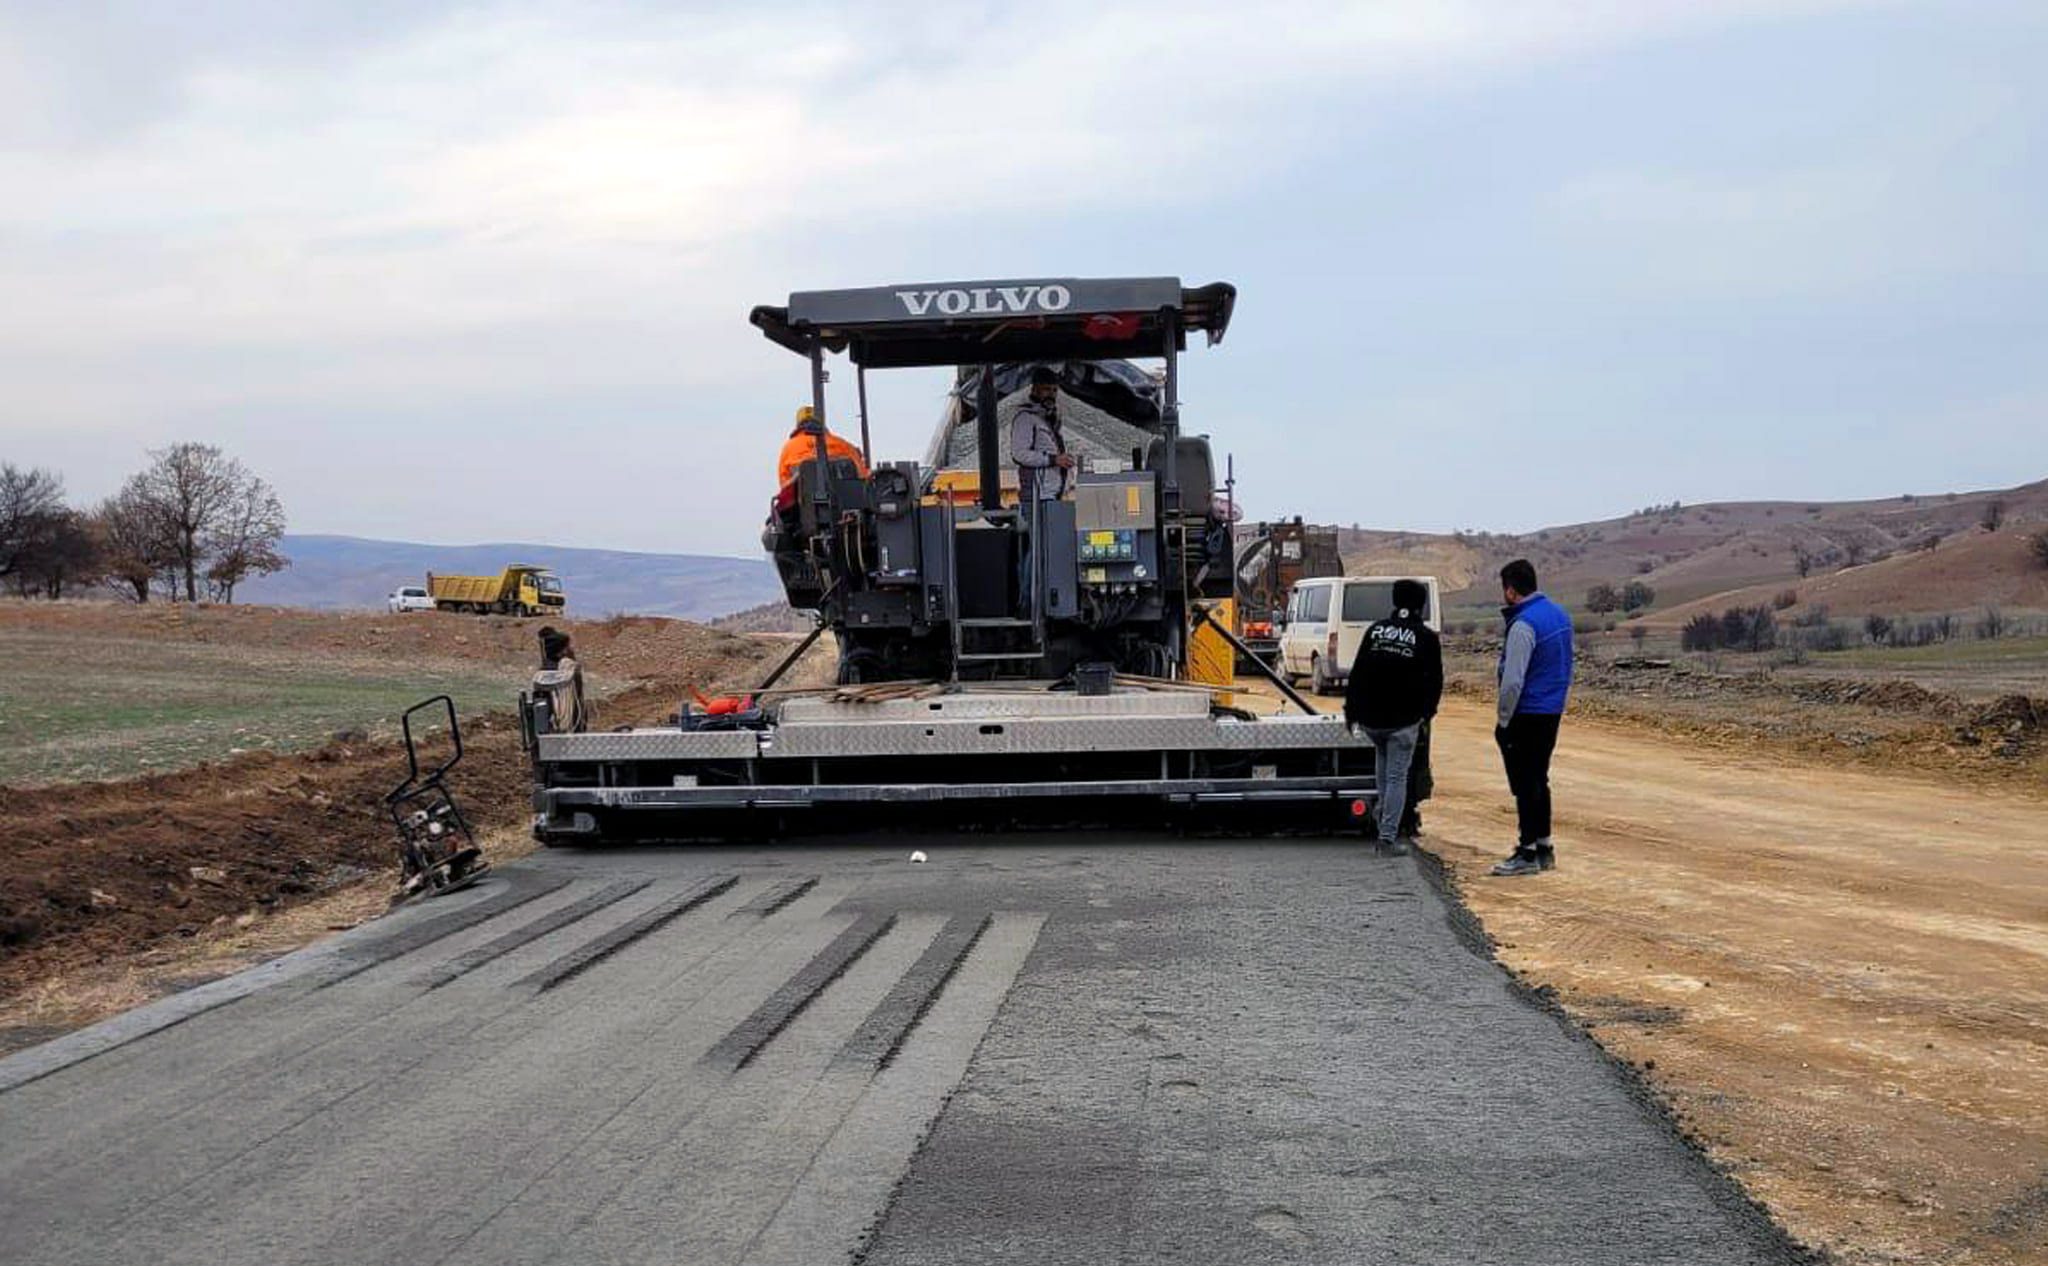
{"x": 1836, "y": 977}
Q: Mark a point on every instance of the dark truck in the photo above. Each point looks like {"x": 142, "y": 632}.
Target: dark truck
{"x": 1271, "y": 557}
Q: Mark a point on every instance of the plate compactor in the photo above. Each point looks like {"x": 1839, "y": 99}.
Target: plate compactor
{"x": 1061, "y": 659}
{"x": 437, "y": 852}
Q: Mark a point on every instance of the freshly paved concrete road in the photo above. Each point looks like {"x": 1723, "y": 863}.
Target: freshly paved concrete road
{"x": 1040, "y": 1050}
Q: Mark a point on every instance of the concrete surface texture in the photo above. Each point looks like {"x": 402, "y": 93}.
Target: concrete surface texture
{"x": 1034, "y": 1049}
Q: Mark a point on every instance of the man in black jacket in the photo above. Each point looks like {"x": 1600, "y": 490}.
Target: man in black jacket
{"x": 1396, "y": 683}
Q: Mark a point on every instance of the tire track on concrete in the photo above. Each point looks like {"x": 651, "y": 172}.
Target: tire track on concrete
{"x": 420, "y": 935}
{"x": 551, "y": 922}
{"x": 738, "y": 1048}
{"x": 477, "y": 1136}
{"x": 776, "y": 897}
{"x": 843, "y": 1190}
{"x": 592, "y": 952}
{"x": 382, "y": 1048}
{"x": 713, "y": 1133}
{"x": 883, "y": 1033}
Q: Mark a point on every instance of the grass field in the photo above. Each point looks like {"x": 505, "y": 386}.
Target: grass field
{"x": 91, "y": 708}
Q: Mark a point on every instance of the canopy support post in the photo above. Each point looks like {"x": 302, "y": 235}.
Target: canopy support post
{"x": 985, "y": 439}
{"x": 860, "y": 382}
{"x": 821, "y": 492}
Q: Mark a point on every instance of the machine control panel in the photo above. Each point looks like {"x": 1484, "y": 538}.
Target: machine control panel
{"x": 1116, "y": 531}
{"x": 1112, "y": 545}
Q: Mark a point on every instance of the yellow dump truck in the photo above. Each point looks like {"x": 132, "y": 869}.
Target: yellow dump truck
{"x": 521, "y": 589}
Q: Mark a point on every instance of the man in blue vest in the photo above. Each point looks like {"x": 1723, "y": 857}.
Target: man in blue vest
{"x": 1535, "y": 678}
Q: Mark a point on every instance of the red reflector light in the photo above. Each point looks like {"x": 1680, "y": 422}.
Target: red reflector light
{"x": 1358, "y": 808}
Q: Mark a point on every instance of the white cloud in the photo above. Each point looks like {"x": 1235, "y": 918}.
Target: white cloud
{"x": 551, "y": 199}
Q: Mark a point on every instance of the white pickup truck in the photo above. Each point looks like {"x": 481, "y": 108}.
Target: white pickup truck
{"x": 1327, "y": 617}
{"x": 409, "y": 598}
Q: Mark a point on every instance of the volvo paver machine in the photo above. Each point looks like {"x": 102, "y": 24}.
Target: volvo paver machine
{"x": 996, "y": 657}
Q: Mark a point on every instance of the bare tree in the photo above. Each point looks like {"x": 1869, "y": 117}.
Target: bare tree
{"x": 133, "y": 540}
{"x": 189, "y": 488}
{"x": 245, "y": 542}
{"x": 30, "y": 503}
{"x": 2038, "y": 542}
{"x": 1602, "y": 598}
{"x": 1803, "y": 559}
{"x": 1994, "y": 516}
{"x": 207, "y": 518}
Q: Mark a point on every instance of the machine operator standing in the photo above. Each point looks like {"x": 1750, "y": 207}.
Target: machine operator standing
{"x": 1045, "y": 469}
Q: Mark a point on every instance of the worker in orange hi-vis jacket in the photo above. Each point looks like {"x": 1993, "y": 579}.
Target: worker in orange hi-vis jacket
{"x": 802, "y": 446}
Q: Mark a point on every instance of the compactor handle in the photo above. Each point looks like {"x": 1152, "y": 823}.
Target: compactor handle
{"x": 412, "y": 754}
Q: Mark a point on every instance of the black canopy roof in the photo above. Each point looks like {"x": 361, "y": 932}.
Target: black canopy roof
{"x": 984, "y": 322}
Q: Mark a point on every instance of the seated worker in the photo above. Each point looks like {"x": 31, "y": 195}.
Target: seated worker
{"x": 802, "y": 446}
{"x": 560, "y": 683}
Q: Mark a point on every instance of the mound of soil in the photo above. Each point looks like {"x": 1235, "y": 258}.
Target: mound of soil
{"x": 2012, "y": 727}
{"x": 1891, "y": 696}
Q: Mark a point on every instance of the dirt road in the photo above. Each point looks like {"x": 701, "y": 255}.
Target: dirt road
{"x": 1839, "y": 979}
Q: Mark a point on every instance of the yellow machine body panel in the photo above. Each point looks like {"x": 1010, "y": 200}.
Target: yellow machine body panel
{"x": 963, "y": 487}
{"x": 1212, "y": 660}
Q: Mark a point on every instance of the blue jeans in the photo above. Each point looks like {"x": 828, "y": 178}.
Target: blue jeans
{"x": 1392, "y": 752}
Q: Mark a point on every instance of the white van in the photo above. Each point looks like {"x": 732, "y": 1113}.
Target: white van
{"x": 1327, "y": 617}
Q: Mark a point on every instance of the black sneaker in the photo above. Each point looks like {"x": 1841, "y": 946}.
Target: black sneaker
{"x": 1393, "y": 848}
{"x": 1546, "y": 854}
{"x": 1521, "y": 862}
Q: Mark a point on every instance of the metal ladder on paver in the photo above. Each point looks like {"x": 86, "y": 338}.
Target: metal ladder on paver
{"x": 962, "y": 627}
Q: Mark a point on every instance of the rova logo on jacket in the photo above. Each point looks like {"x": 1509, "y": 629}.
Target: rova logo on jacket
{"x": 1549, "y": 680}
{"x": 986, "y": 300}
{"x": 1392, "y": 638}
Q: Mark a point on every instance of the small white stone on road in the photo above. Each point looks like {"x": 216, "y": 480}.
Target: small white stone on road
{"x": 917, "y": 856}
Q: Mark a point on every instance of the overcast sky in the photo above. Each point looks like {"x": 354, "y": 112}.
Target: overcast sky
{"x": 482, "y": 272}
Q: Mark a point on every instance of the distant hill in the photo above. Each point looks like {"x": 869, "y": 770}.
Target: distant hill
{"x": 1965, "y": 570}
{"x": 1688, "y": 552}
{"x": 769, "y": 617}
{"x": 349, "y": 571}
